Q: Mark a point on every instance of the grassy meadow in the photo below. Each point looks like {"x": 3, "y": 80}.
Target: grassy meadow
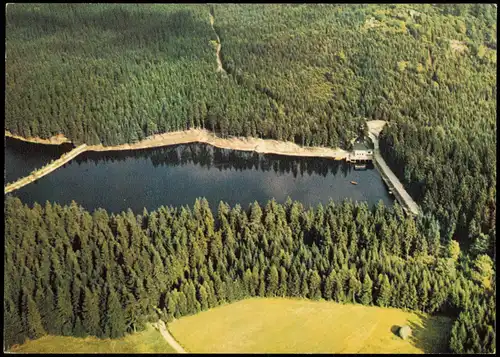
{"x": 260, "y": 325}
{"x": 147, "y": 341}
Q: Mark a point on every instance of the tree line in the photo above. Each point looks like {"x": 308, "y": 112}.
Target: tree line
{"x": 70, "y": 272}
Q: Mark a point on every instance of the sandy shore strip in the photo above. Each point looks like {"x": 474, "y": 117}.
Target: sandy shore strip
{"x": 263, "y": 146}
{"x": 55, "y": 140}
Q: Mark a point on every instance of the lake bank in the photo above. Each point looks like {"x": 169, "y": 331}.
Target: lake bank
{"x": 55, "y": 140}
{"x": 262, "y": 146}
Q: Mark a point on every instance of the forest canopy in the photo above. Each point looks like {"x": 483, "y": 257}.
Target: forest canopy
{"x": 312, "y": 74}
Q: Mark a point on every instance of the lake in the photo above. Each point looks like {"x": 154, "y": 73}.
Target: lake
{"x": 177, "y": 175}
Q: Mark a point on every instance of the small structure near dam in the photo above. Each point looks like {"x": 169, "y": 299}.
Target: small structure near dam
{"x": 364, "y": 151}
{"x": 361, "y": 152}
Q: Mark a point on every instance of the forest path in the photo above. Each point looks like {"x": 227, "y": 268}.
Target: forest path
{"x": 160, "y": 325}
{"x": 219, "y": 62}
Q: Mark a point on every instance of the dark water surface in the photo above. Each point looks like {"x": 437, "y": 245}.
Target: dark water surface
{"x": 177, "y": 175}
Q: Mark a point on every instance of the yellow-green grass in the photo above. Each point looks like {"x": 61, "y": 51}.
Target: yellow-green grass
{"x": 147, "y": 341}
{"x": 287, "y": 325}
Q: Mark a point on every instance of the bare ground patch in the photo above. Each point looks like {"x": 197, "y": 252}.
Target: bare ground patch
{"x": 458, "y": 46}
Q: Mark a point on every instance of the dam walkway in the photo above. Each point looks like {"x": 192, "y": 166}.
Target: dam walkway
{"x": 390, "y": 178}
{"x": 46, "y": 169}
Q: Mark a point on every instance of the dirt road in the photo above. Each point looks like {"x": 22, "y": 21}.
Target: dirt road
{"x": 160, "y": 325}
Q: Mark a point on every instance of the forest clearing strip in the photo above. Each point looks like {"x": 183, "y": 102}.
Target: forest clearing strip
{"x": 217, "y": 54}
{"x": 266, "y": 92}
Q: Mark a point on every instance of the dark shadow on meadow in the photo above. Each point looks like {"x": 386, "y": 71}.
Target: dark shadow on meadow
{"x": 395, "y": 330}
{"x": 432, "y": 336}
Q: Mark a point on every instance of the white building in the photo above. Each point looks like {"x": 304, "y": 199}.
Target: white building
{"x": 361, "y": 152}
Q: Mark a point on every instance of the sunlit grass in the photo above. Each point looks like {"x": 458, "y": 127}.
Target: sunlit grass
{"x": 302, "y": 326}
{"x": 147, "y": 341}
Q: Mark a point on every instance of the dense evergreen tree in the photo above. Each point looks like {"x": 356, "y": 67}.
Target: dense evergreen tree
{"x": 33, "y": 323}
{"x": 384, "y": 291}
{"x": 367, "y": 289}
{"x": 91, "y": 315}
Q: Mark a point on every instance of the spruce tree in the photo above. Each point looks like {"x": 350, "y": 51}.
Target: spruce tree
{"x": 272, "y": 281}
{"x": 328, "y": 286}
{"x": 33, "y": 324}
{"x": 339, "y": 294}
{"x": 13, "y": 326}
{"x": 413, "y": 298}
{"x": 91, "y": 313}
{"x": 384, "y": 292}
{"x": 64, "y": 311}
{"x": 366, "y": 290}
{"x": 314, "y": 285}
{"x": 203, "y": 297}
{"x": 114, "y": 318}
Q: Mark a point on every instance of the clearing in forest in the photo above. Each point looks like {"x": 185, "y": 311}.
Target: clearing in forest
{"x": 147, "y": 341}
{"x": 458, "y": 46}
{"x": 376, "y": 126}
{"x": 270, "y": 325}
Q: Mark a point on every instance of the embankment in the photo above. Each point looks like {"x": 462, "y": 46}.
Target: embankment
{"x": 374, "y": 129}
{"x": 263, "y": 146}
{"x": 46, "y": 169}
{"x": 55, "y": 140}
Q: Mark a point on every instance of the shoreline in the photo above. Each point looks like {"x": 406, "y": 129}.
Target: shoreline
{"x": 55, "y": 140}
{"x": 262, "y": 146}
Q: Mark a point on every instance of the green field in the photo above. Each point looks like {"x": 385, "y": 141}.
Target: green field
{"x": 294, "y": 326}
{"x": 147, "y": 341}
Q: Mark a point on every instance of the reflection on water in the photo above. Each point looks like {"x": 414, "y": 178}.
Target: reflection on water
{"x": 223, "y": 159}
{"x": 177, "y": 175}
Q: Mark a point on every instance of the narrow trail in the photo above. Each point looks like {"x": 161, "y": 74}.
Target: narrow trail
{"x": 217, "y": 54}
{"x": 160, "y": 325}
{"x": 46, "y": 169}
